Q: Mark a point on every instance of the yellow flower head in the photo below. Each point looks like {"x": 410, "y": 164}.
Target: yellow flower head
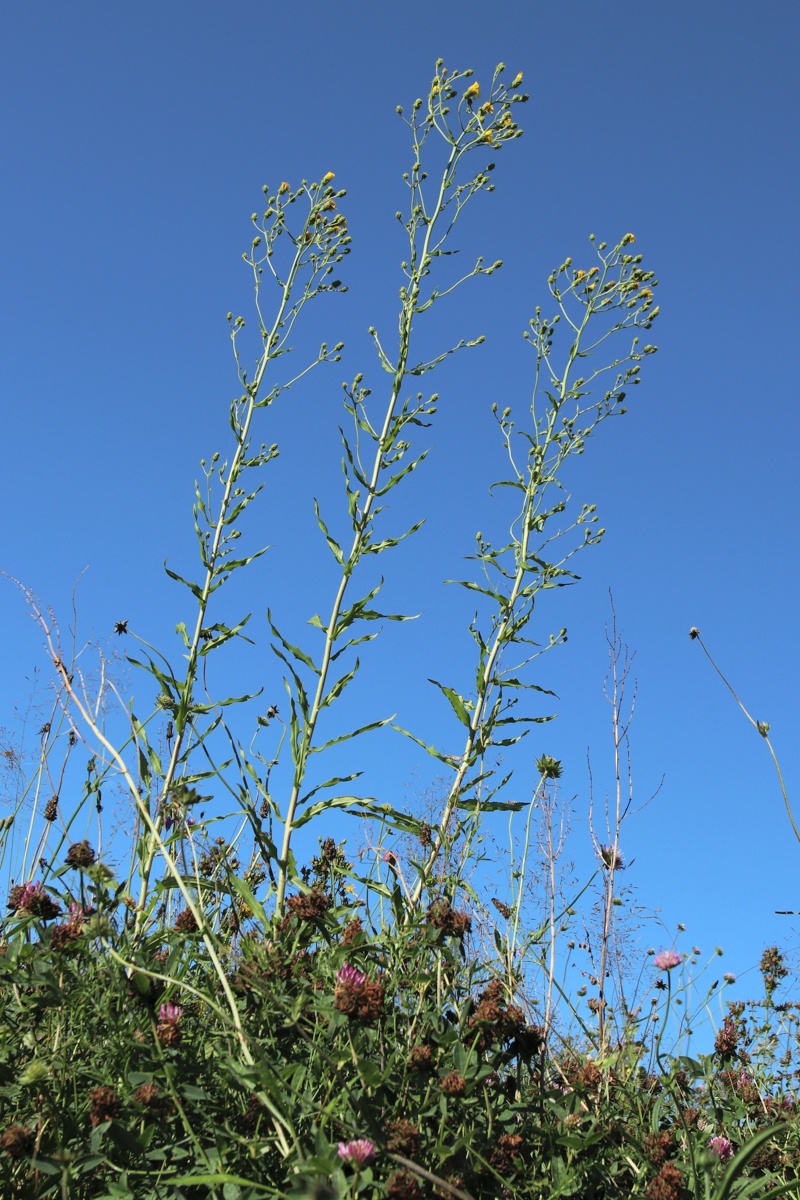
{"x": 488, "y": 136}
{"x": 580, "y": 275}
{"x": 327, "y": 178}
{"x": 283, "y": 188}
{"x": 486, "y": 108}
{"x": 517, "y": 80}
{"x": 626, "y": 241}
{"x": 473, "y": 92}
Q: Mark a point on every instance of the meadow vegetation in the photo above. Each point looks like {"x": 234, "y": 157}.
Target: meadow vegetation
{"x": 204, "y": 1007}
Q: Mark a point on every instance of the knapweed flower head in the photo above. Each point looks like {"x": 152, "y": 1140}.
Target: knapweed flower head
{"x": 721, "y": 1147}
{"x": 665, "y": 960}
{"x": 610, "y": 857}
{"x": 358, "y": 1153}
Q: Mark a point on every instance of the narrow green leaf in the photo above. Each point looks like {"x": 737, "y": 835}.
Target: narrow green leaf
{"x": 449, "y": 760}
{"x": 457, "y": 702}
{"x": 336, "y": 549}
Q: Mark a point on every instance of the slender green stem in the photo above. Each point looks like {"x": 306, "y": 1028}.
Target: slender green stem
{"x": 760, "y": 726}
{"x": 420, "y": 269}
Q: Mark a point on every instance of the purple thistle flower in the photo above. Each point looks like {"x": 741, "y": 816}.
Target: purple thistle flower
{"x": 665, "y": 960}
{"x": 171, "y": 1013}
{"x": 350, "y": 977}
{"x": 357, "y": 1153}
{"x": 721, "y": 1147}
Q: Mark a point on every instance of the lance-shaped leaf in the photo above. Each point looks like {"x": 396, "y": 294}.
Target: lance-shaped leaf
{"x": 336, "y": 549}
{"x": 194, "y": 588}
{"x": 338, "y": 687}
{"x": 357, "y": 803}
{"x": 255, "y": 906}
{"x": 223, "y": 634}
{"x": 337, "y": 779}
{"x": 346, "y": 737}
{"x": 149, "y": 761}
{"x": 167, "y": 681}
{"x": 406, "y": 470}
{"x": 457, "y": 703}
{"x": 295, "y": 651}
{"x": 450, "y": 760}
{"x": 390, "y": 542}
{"x": 492, "y": 805}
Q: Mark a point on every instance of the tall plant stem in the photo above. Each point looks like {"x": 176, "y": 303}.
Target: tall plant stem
{"x": 182, "y": 727}
{"x": 421, "y": 264}
{"x": 535, "y": 480}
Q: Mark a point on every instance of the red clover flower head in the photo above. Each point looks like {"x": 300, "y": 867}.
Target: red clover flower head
{"x": 170, "y": 1012}
{"x": 665, "y": 960}
{"x": 721, "y": 1147}
{"x": 357, "y": 1153}
{"x": 350, "y": 977}
{"x": 33, "y": 899}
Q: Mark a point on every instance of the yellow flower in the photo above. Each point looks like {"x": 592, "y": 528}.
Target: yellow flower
{"x": 434, "y": 90}
{"x": 486, "y": 137}
{"x": 473, "y": 92}
{"x": 486, "y": 108}
{"x": 517, "y": 80}
{"x": 646, "y": 293}
{"x": 283, "y": 188}
{"x": 327, "y": 178}
{"x": 580, "y": 275}
{"x": 626, "y": 241}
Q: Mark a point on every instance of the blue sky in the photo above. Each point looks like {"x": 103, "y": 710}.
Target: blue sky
{"x": 135, "y": 143}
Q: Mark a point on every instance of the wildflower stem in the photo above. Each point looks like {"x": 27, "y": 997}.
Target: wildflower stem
{"x": 759, "y": 726}
{"x": 421, "y": 258}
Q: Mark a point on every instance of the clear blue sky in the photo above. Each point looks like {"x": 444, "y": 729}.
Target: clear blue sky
{"x": 135, "y": 143}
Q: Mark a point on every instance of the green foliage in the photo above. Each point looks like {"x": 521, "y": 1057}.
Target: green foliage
{"x": 222, "y": 1021}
